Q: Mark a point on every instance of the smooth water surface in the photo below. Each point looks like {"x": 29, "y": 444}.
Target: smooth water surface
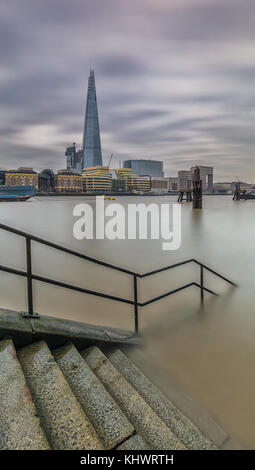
{"x": 210, "y": 352}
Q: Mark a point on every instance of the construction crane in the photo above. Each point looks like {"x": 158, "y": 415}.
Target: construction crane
{"x": 110, "y": 159}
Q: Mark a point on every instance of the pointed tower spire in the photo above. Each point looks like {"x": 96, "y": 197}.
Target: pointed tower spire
{"x": 92, "y": 154}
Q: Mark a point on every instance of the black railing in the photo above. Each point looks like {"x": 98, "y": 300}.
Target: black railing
{"x": 28, "y": 274}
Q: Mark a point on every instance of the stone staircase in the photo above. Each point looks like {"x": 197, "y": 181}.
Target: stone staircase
{"x": 88, "y": 399}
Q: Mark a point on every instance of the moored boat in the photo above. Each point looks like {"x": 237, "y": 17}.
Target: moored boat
{"x": 13, "y": 198}
{"x": 16, "y": 193}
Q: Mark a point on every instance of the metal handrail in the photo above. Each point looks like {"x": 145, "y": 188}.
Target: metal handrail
{"x": 135, "y": 302}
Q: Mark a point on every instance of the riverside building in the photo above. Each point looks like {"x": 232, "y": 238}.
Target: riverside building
{"x": 172, "y": 183}
{"x": 97, "y": 179}
{"x": 132, "y": 181}
{"x": 143, "y": 167}
{"x": 206, "y": 175}
{"x": 128, "y": 176}
{"x": 222, "y": 188}
{"x": 184, "y": 179}
{"x": 143, "y": 183}
{"x": 67, "y": 181}
{"x": 21, "y": 177}
{"x": 159, "y": 185}
{"x": 165, "y": 185}
{"x": 118, "y": 184}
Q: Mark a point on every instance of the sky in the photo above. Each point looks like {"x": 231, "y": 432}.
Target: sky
{"x": 175, "y": 82}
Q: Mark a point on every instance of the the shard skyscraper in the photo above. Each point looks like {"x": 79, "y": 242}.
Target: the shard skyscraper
{"x": 92, "y": 154}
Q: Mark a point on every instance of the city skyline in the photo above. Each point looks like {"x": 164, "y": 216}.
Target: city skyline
{"x": 175, "y": 82}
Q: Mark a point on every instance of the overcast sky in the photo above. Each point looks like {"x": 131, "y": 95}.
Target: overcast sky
{"x": 175, "y": 81}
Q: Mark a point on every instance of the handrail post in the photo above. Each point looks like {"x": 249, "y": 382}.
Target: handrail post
{"x": 136, "y": 305}
{"x": 30, "y": 313}
{"x": 201, "y": 284}
{"x": 29, "y": 277}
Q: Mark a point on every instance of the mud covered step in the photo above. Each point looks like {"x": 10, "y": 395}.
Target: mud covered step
{"x": 19, "y": 424}
{"x": 181, "y": 426}
{"x": 146, "y": 422}
{"x": 109, "y": 421}
{"x": 62, "y": 417}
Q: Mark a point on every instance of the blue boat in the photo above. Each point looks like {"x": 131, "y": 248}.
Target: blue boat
{"x": 16, "y": 193}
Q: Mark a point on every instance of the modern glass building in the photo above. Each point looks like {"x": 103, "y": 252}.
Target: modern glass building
{"x": 152, "y": 168}
{"x": 74, "y": 159}
{"x": 2, "y": 176}
{"x": 133, "y": 182}
{"x": 92, "y": 155}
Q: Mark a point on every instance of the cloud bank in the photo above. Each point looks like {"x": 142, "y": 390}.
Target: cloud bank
{"x": 175, "y": 81}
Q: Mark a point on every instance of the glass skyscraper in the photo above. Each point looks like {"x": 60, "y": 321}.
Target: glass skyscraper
{"x": 152, "y": 168}
{"x": 74, "y": 159}
{"x": 92, "y": 154}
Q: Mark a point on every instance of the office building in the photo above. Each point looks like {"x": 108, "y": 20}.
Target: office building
{"x": 159, "y": 185}
{"x": 92, "y": 154}
{"x": 118, "y": 184}
{"x": 222, "y": 188}
{"x": 152, "y": 168}
{"x": 172, "y": 183}
{"x": 206, "y": 175}
{"x": 143, "y": 184}
{"x": 74, "y": 159}
{"x": 97, "y": 179}
{"x": 133, "y": 182}
{"x": 128, "y": 176}
{"x": 184, "y": 179}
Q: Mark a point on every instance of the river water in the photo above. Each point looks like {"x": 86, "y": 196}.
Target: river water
{"x": 210, "y": 352}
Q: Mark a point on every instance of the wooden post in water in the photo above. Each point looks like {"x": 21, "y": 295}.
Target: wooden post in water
{"x": 185, "y": 195}
{"x": 197, "y": 189}
{"x": 237, "y": 192}
{"x": 185, "y": 191}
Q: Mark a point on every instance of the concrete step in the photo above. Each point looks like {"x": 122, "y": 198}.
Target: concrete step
{"x": 181, "y": 426}
{"x": 146, "y": 422}
{"x": 135, "y": 442}
{"x": 109, "y": 421}
{"x": 62, "y": 417}
{"x": 19, "y": 424}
